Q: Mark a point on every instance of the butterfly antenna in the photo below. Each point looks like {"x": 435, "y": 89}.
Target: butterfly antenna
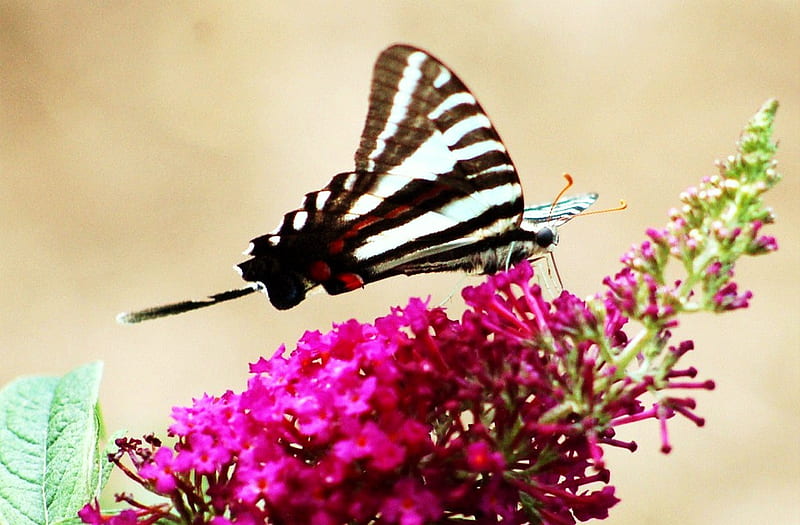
{"x": 183, "y": 306}
{"x": 561, "y": 193}
{"x": 622, "y": 206}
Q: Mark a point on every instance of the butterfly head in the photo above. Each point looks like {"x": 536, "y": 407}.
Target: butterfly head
{"x": 543, "y": 220}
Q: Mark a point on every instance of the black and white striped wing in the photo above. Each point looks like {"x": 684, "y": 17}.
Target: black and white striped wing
{"x": 433, "y": 186}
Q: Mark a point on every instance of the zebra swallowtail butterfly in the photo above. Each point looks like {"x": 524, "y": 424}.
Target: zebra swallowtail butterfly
{"x": 433, "y": 190}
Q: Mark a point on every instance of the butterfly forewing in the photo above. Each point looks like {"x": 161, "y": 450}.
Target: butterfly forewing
{"x": 560, "y": 212}
{"x": 423, "y": 120}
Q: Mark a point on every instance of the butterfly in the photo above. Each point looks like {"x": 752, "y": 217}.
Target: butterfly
{"x": 433, "y": 190}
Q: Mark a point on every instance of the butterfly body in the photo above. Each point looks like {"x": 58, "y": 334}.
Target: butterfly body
{"x": 288, "y": 265}
{"x": 433, "y": 190}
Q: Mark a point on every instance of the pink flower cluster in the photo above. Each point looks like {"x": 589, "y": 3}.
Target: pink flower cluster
{"x": 414, "y": 419}
{"x": 706, "y": 246}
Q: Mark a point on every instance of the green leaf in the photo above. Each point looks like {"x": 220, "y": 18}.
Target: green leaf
{"x": 50, "y": 461}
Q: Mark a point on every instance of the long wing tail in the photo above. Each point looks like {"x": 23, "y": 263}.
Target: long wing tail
{"x": 183, "y": 306}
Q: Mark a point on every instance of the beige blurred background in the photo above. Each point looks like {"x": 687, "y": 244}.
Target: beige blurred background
{"x": 143, "y": 145}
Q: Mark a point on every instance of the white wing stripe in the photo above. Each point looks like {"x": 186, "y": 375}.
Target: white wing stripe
{"x": 386, "y": 240}
{"x": 407, "y": 85}
{"x": 432, "y": 157}
{"x": 478, "y": 149}
{"x": 450, "y": 102}
{"x": 464, "y": 126}
{"x": 493, "y": 169}
{"x": 390, "y": 183}
{"x": 442, "y": 78}
{"x": 471, "y": 206}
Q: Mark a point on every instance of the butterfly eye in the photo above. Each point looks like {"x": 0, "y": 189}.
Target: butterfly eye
{"x": 545, "y": 237}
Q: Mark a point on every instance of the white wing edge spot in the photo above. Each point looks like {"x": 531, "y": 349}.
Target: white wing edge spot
{"x": 322, "y": 199}
{"x": 299, "y": 220}
{"x": 350, "y": 182}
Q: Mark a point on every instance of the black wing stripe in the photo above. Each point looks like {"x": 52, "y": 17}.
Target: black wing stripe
{"x": 372, "y": 252}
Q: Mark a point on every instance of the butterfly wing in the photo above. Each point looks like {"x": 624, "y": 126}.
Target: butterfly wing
{"x": 433, "y": 183}
{"x": 559, "y": 213}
